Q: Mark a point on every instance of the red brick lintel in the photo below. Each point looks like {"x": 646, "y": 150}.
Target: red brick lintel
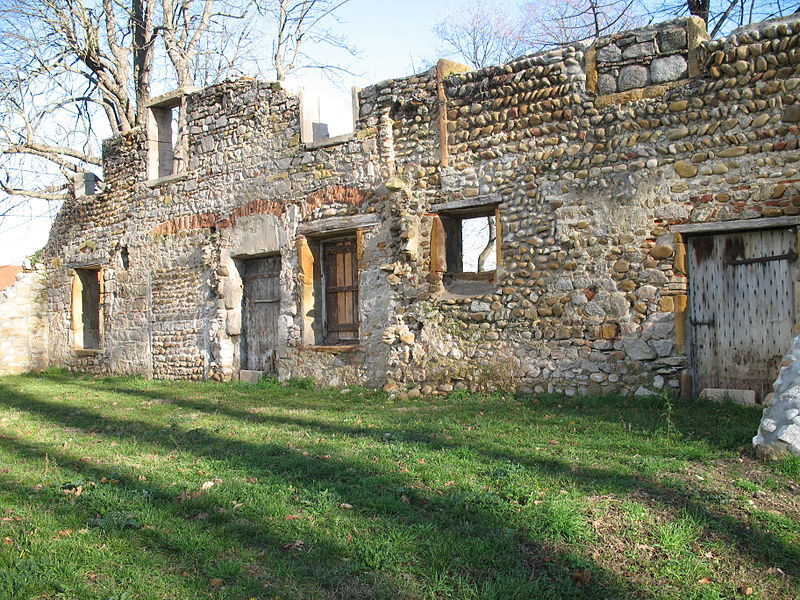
{"x": 335, "y": 194}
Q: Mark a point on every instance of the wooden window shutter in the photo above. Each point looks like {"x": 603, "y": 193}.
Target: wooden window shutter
{"x": 453, "y": 244}
{"x": 341, "y": 291}
{"x": 438, "y": 246}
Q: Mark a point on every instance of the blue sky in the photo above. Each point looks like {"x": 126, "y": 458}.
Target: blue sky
{"x": 392, "y": 36}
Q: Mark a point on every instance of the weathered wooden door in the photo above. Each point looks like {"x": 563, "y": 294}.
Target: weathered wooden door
{"x": 341, "y": 291}
{"x": 260, "y": 306}
{"x": 741, "y": 307}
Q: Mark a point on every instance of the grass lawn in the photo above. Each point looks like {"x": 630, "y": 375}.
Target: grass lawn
{"x": 120, "y": 488}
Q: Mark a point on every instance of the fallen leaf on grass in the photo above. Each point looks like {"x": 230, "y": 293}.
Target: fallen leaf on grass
{"x": 553, "y": 442}
{"x": 8, "y": 541}
{"x": 405, "y": 499}
{"x": 208, "y": 484}
{"x": 345, "y": 505}
{"x": 65, "y": 532}
{"x": 746, "y": 590}
{"x": 704, "y": 580}
{"x": 291, "y": 517}
{"x": 449, "y": 483}
{"x": 251, "y": 479}
{"x": 297, "y": 545}
{"x": 581, "y": 576}
{"x": 216, "y": 583}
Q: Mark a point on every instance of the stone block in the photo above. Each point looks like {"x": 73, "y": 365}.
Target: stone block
{"x": 606, "y": 84}
{"x": 251, "y": 377}
{"x": 638, "y": 349}
{"x": 610, "y": 53}
{"x": 671, "y": 40}
{"x": 634, "y": 76}
{"x": 791, "y": 113}
{"x": 722, "y": 395}
{"x": 639, "y": 50}
{"x": 669, "y": 68}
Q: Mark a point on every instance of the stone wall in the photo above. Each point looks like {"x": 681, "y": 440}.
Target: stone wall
{"x": 23, "y": 324}
{"x": 591, "y": 178}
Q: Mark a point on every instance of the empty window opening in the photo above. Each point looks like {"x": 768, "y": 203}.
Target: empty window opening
{"x": 466, "y": 241}
{"x": 328, "y": 115}
{"x": 165, "y": 140}
{"x": 87, "y": 294}
{"x": 340, "y": 291}
{"x": 124, "y": 258}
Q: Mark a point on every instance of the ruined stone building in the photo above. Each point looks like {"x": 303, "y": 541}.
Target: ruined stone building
{"x": 644, "y": 188}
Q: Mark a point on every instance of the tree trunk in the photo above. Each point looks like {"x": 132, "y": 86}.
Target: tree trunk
{"x": 490, "y": 245}
{"x": 699, "y": 8}
{"x": 142, "y": 25}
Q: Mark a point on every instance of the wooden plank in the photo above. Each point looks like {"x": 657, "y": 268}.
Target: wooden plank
{"x": 740, "y": 225}
{"x": 338, "y": 224}
{"x": 487, "y": 202}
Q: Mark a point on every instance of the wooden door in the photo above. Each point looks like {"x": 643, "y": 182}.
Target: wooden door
{"x": 260, "y": 307}
{"x": 341, "y": 291}
{"x": 741, "y": 307}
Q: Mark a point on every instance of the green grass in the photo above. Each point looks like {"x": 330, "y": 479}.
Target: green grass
{"x": 121, "y": 488}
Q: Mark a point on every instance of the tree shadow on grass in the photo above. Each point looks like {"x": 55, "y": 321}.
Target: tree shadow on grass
{"x": 471, "y": 551}
{"x": 697, "y": 500}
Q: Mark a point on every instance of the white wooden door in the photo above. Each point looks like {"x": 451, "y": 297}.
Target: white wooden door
{"x": 741, "y": 307}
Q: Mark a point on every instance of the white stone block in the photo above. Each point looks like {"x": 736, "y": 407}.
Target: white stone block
{"x": 740, "y": 397}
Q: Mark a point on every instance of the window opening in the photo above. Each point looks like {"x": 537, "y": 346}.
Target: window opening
{"x": 328, "y": 115}
{"x": 466, "y": 242}
{"x": 124, "y": 258}
{"x": 164, "y": 140}
{"x": 87, "y": 308}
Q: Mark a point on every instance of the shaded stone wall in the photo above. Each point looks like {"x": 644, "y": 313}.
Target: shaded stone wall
{"x": 23, "y": 324}
{"x": 590, "y": 176}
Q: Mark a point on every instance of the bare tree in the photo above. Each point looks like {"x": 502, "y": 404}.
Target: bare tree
{"x": 557, "y": 22}
{"x": 490, "y": 247}
{"x": 66, "y": 66}
{"x": 75, "y": 71}
{"x": 300, "y": 24}
{"x": 480, "y": 34}
{"x": 724, "y": 15}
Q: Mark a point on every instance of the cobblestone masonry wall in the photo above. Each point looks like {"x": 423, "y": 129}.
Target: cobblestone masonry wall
{"x": 23, "y": 324}
{"x": 594, "y": 152}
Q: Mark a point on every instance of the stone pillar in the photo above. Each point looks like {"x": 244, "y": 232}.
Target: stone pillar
{"x": 84, "y": 184}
